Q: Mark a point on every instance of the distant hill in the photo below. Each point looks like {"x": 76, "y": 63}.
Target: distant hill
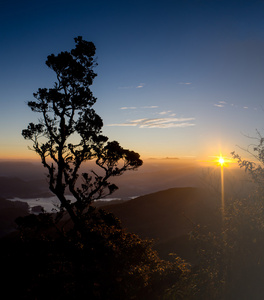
{"x": 165, "y": 216}
{"x": 9, "y": 211}
{"x": 168, "y": 217}
{"x": 25, "y": 170}
{"x": 11, "y": 187}
{"x": 154, "y": 175}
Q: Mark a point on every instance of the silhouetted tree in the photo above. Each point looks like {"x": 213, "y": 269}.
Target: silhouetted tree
{"x": 96, "y": 258}
{"x": 231, "y": 258}
{"x": 69, "y": 133}
{"x": 255, "y": 168}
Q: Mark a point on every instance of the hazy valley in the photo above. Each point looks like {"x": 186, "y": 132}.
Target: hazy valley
{"x": 170, "y": 196}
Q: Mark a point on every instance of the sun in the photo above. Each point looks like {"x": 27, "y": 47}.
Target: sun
{"x": 221, "y": 161}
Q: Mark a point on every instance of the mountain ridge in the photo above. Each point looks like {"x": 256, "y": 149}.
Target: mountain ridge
{"x": 169, "y": 216}
{"x": 166, "y": 216}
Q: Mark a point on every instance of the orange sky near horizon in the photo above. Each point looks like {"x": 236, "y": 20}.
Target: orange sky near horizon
{"x": 208, "y": 161}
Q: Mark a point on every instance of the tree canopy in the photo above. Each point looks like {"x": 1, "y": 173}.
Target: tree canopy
{"x": 69, "y": 133}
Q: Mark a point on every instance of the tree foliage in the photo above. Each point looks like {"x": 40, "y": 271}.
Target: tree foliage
{"x": 95, "y": 258}
{"x": 255, "y": 168}
{"x": 231, "y": 258}
{"x": 69, "y": 133}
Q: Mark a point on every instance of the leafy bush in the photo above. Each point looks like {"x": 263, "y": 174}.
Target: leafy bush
{"x": 104, "y": 263}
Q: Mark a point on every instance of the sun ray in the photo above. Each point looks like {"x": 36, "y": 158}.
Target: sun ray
{"x": 222, "y": 162}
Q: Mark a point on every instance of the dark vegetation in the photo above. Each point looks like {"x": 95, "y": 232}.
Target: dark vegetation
{"x": 168, "y": 217}
{"x": 127, "y": 265}
{"x": 109, "y": 263}
{"x": 9, "y": 211}
{"x": 229, "y": 264}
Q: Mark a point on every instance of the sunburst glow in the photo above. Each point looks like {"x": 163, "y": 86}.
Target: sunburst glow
{"x": 221, "y": 160}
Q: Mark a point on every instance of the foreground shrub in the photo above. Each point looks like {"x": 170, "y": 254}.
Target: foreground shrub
{"x": 104, "y": 262}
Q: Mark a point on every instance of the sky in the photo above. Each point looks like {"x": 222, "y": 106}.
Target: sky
{"x": 176, "y": 78}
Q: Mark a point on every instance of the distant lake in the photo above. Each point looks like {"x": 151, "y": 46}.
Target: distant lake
{"x": 50, "y": 204}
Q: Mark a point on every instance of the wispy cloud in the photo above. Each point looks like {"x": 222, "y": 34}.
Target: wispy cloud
{"x": 122, "y": 124}
{"x": 151, "y": 106}
{"x": 128, "y": 107}
{"x": 167, "y": 112}
{"x": 159, "y": 123}
{"x": 220, "y": 104}
{"x": 164, "y": 112}
{"x": 125, "y": 87}
{"x": 141, "y": 85}
{"x": 185, "y": 83}
{"x": 134, "y": 107}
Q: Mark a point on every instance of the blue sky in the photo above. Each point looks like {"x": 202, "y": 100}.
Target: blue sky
{"x": 175, "y": 78}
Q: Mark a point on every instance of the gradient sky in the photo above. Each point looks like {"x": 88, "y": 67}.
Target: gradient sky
{"x": 176, "y": 78}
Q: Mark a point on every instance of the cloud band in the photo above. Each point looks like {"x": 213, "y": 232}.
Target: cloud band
{"x": 159, "y": 123}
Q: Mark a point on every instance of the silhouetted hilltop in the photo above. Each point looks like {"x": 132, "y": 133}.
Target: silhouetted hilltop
{"x": 11, "y": 187}
{"x": 168, "y": 217}
{"x": 25, "y": 170}
{"x": 156, "y": 176}
{"x": 9, "y": 211}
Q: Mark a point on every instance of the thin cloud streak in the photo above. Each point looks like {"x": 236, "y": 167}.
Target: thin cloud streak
{"x": 134, "y": 107}
{"x": 128, "y": 107}
{"x": 159, "y": 123}
{"x": 164, "y": 112}
{"x": 222, "y": 104}
{"x": 151, "y": 106}
{"x": 125, "y": 87}
{"x": 141, "y": 85}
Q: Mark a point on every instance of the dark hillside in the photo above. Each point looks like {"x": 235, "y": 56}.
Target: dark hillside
{"x": 25, "y": 170}
{"x": 168, "y": 217}
{"x": 9, "y": 211}
{"x": 11, "y": 187}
